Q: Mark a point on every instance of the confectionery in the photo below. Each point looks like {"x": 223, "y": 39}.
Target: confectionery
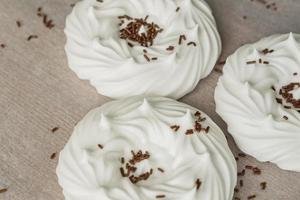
{"x": 144, "y": 149}
{"x": 133, "y": 47}
{"x": 258, "y": 96}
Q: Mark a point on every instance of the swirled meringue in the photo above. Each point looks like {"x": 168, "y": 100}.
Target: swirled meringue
{"x": 181, "y": 161}
{"x": 96, "y": 52}
{"x": 257, "y": 97}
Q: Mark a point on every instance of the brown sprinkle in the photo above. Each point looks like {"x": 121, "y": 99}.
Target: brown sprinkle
{"x": 32, "y": 37}
{"x": 192, "y": 43}
{"x": 266, "y": 62}
{"x": 266, "y": 51}
{"x": 285, "y": 92}
{"x": 181, "y": 37}
{"x": 197, "y": 114}
{"x": 242, "y": 173}
{"x": 19, "y": 24}
{"x": 175, "y": 127}
{"x": 132, "y": 30}
{"x": 170, "y": 48}
{"x": 100, "y": 146}
{"x": 279, "y": 100}
{"x": 207, "y": 129}
{"x": 251, "y": 62}
{"x": 161, "y": 170}
{"x": 189, "y": 132}
{"x": 3, "y": 190}
{"x": 285, "y": 117}
{"x": 3, "y": 46}
{"x": 273, "y": 88}
{"x": 129, "y": 168}
{"x": 160, "y": 196}
{"x": 154, "y": 58}
{"x": 197, "y": 126}
{"x": 295, "y": 74}
{"x": 251, "y": 197}
{"x": 53, "y": 156}
{"x": 177, "y": 9}
{"x": 47, "y": 22}
{"x": 198, "y": 184}
{"x": 263, "y": 185}
{"x": 54, "y": 129}
{"x": 129, "y": 44}
{"x": 241, "y": 183}
{"x": 146, "y": 57}
{"x": 256, "y": 171}
{"x": 248, "y": 167}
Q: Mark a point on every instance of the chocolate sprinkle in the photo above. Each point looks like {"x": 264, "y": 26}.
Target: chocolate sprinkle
{"x": 191, "y": 43}
{"x": 19, "y": 24}
{"x": 146, "y": 57}
{"x": 289, "y": 98}
{"x": 170, "y": 48}
{"x": 251, "y": 197}
{"x": 32, "y": 37}
{"x": 251, "y": 62}
{"x": 54, "y": 129}
{"x": 161, "y": 170}
{"x": 241, "y": 183}
{"x": 175, "y": 127}
{"x": 189, "y": 132}
{"x": 3, "y": 190}
{"x": 47, "y": 22}
{"x": 130, "y": 167}
{"x": 53, "y": 156}
{"x": 256, "y": 171}
{"x": 132, "y": 30}
{"x": 198, "y": 184}
{"x": 263, "y": 185}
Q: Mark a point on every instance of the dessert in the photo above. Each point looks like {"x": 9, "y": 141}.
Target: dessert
{"x": 134, "y": 47}
{"x": 142, "y": 149}
{"x": 259, "y": 98}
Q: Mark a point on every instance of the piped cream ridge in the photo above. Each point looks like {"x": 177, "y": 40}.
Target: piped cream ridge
{"x": 258, "y": 96}
{"x": 96, "y": 52}
{"x": 173, "y": 157}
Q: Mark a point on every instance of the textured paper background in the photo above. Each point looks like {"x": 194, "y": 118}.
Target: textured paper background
{"x": 39, "y": 92}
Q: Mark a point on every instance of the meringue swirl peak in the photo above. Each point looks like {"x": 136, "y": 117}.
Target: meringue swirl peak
{"x": 133, "y": 47}
{"x": 146, "y": 153}
{"x": 258, "y": 96}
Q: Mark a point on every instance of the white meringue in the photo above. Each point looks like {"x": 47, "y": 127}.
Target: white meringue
{"x": 89, "y": 165}
{"x": 96, "y": 53}
{"x": 248, "y": 99}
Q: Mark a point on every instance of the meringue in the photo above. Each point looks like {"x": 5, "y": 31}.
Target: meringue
{"x": 144, "y": 149}
{"x": 120, "y": 68}
{"x": 258, "y": 97}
